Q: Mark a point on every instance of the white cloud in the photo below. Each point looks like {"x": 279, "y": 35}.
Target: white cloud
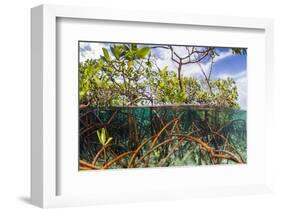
{"x": 194, "y": 70}
{"x": 164, "y": 59}
{"x": 223, "y": 55}
{"x": 242, "y": 91}
{"x": 90, "y": 50}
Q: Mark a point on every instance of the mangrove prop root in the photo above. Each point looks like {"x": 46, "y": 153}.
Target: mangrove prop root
{"x": 120, "y": 162}
{"x": 85, "y": 164}
{"x": 227, "y": 155}
{"x": 215, "y": 153}
{"x": 168, "y": 138}
{"x": 174, "y": 122}
{"x": 153, "y": 141}
{"x": 154, "y": 148}
{"x": 163, "y": 161}
{"x": 97, "y": 156}
{"x": 107, "y": 165}
{"x": 97, "y": 125}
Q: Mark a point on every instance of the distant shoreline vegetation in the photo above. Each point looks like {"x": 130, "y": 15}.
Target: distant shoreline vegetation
{"x": 128, "y": 75}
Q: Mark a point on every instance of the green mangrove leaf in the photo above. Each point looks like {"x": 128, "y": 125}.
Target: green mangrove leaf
{"x": 99, "y": 136}
{"x": 142, "y": 52}
{"x": 108, "y": 140}
{"x": 103, "y": 136}
{"x": 106, "y": 54}
{"x": 115, "y": 51}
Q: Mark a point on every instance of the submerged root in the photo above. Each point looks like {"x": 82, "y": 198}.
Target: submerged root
{"x": 208, "y": 142}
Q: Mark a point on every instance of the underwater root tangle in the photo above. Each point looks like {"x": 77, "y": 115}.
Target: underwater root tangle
{"x": 214, "y": 154}
{"x": 168, "y": 141}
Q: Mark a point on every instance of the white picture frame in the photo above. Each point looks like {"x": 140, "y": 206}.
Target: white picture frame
{"x": 44, "y": 135}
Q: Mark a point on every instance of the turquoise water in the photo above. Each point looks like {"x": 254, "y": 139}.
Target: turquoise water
{"x": 223, "y": 130}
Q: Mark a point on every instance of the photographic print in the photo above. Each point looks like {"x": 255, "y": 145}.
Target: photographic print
{"x": 161, "y": 105}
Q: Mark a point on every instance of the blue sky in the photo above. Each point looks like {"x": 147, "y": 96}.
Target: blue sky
{"x": 225, "y": 65}
{"x": 234, "y": 66}
{"x": 231, "y": 65}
